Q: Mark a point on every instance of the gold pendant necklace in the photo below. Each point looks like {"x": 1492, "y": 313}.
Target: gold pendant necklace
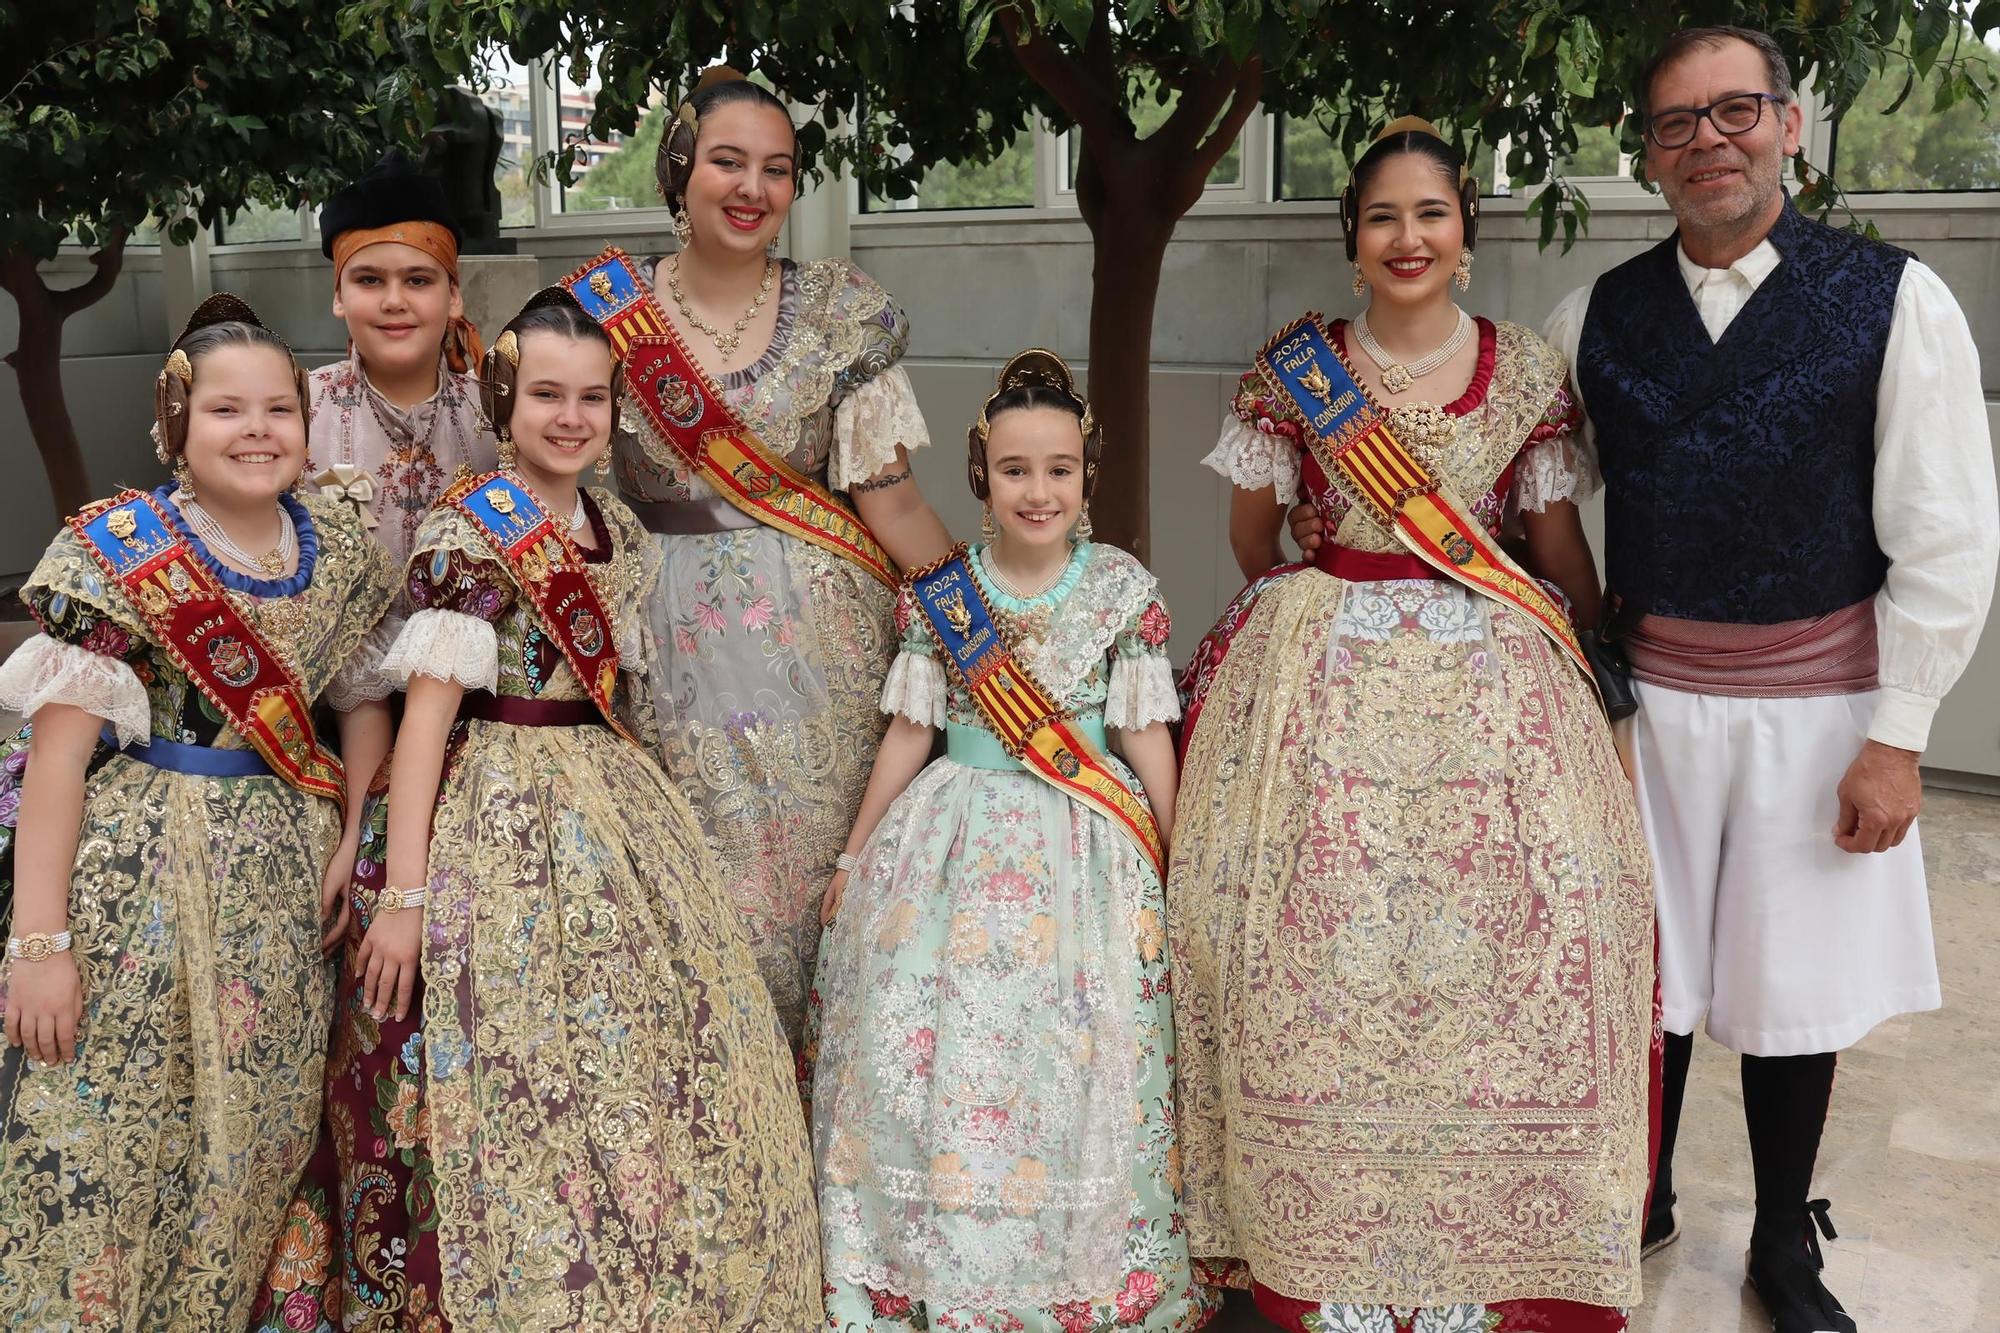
{"x": 725, "y": 343}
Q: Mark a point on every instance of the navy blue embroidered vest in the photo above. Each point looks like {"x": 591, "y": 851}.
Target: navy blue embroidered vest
{"x": 1739, "y": 475}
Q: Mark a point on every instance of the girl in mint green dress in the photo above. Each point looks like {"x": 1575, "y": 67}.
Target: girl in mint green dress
{"x": 992, "y": 1040}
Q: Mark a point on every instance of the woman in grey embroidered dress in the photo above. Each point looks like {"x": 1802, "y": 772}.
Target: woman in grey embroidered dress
{"x": 770, "y": 651}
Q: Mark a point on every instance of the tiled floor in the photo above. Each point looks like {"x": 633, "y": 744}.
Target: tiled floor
{"x": 1911, "y": 1159}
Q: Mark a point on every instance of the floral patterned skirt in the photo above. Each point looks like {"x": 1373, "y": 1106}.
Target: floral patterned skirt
{"x": 1412, "y": 921}
{"x": 769, "y": 660}
{"x": 998, "y": 950}
{"x": 595, "y": 1122}
{"x": 142, "y": 1185}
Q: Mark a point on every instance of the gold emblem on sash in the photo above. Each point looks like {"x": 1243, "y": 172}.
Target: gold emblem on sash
{"x": 600, "y": 283}
{"x": 122, "y": 524}
{"x": 1316, "y": 381}
{"x": 501, "y": 499}
{"x": 952, "y": 604}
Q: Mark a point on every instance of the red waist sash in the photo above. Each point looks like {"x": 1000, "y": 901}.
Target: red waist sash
{"x": 517, "y": 711}
{"x": 1344, "y": 562}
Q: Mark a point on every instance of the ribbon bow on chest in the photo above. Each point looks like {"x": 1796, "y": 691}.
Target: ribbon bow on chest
{"x": 344, "y": 481}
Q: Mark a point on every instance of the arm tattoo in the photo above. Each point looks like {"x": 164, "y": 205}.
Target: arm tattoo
{"x": 881, "y": 483}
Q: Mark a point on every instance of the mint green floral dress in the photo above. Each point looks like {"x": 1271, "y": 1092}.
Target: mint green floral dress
{"x": 992, "y": 1040}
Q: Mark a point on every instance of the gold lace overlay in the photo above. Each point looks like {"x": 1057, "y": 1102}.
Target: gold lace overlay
{"x": 143, "y": 1185}
{"x": 1411, "y": 912}
{"x": 616, "y": 1130}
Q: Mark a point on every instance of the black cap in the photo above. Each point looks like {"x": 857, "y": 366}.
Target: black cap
{"x": 389, "y": 192}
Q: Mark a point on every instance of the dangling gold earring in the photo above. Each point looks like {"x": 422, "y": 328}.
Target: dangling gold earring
{"x": 987, "y": 532}
{"x": 683, "y": 227}
{"x": 504, "y": 449}
{"x": 771, "y": 247}
{"x": 1084, "y": 532}
{"x": 299, "y": 483}
{"x": 603, "y": 465}
{"x": 1462, "y": 275}
{"x": 1360, "y": 283}
{"x": 184, "y": 478}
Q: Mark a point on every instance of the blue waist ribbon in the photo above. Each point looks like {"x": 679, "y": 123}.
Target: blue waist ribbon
{"x": 201, "y": 761}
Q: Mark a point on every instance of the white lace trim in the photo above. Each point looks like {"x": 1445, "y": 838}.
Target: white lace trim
{"x": 48, "y": 671}
{"x": 360, "y": 679}
{"x": 916, "y": 689}
{"x": 1113, "y": 590}
{"x": 1253, "y": 460}
{"x": 1557, "y": 469}
{"x": 447, "y": 645}
{"x": 1142, "y": 692}
{"x": 868, "y": 425}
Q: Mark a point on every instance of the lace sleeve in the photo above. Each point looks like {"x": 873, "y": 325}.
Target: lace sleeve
{"x": 1557, "y": 469}
{"x": 1142, "y": 679}
{"x": 446, "y": 645}
{"x": 1556, "y": 462}
{"x": 1253, "y": 459}
{"x": 916, "y": 689}
{"x": 869, "y": 423}
{"x": 46, "y": 670}
{"x": 360, "y": 679}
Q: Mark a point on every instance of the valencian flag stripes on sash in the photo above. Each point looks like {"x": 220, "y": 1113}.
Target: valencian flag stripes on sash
{"x": 1031, "y": 726}
{"x": 193, "y": 619}
{"x": 687, "y": 408}
{"x": 1353, "y": 444}
{"x": 550, "y": 570}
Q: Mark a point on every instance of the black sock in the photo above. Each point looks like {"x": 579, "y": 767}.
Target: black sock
{"x": 1673, "y": 1088}
{"x": 1784, "y": 1105}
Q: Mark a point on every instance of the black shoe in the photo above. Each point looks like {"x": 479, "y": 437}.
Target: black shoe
{"x": 1663, "y": 1228}
{"x": 1784, "y": 1272}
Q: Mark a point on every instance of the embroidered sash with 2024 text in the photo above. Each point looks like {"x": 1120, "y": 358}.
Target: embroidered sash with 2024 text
{"x": 687, "y": 408}
{"x": 192, "y": 617}
{"x": 551, "y": 573}
{"x": 1031, "y": 726}
{"x": 1352, "y": 441}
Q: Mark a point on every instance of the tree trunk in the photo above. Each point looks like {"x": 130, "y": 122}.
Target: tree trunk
{"x": 37, "y": 363}
{"x": 1129, "y": 248}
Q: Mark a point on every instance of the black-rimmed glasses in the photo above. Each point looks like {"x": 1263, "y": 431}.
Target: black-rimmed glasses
{"x": 1733, "y": 115}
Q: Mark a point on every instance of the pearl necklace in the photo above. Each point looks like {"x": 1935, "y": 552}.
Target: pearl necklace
{"x": 1004, "y": 584}
{"x": 726, "y": 343}
{"x": 1397, "y": 377}
{"x": 273, "y": 563}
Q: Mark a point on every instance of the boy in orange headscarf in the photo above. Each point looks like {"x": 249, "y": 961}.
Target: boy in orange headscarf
{"x": 392, "y": 423}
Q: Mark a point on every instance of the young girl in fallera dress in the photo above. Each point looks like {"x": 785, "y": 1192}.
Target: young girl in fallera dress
{"x": 610, "y": 1128}
{"x": 992, "y": 1088}
{"x": 166, "y": 998}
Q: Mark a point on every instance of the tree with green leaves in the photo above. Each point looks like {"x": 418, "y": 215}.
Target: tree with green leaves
{"x": 118, "y": 116}
{"x": 902, "y": 87}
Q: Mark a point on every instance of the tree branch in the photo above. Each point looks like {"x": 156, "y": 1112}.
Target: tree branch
{"x": 107, "y": 261}
{"x": 1085, "y": 101}
{"x": 1249, "y": 88}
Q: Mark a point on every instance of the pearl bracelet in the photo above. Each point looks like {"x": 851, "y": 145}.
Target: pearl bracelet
{"x": 391, "y": 901}
{"x": 846, "y": 861}
{"x": 34, "y": 948}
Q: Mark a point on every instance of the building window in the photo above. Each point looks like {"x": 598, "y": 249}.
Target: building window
{"x": 507, "y": 94}
{"x": 1309, "y": 164}
{"x": 1918, "y": 147}
{"x": 613, "y": 173}
{"x": 1008, "y": 181}
{"x": 256, "y": 222}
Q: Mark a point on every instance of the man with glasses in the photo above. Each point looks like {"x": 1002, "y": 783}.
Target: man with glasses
{"x": 1800, "y": 547}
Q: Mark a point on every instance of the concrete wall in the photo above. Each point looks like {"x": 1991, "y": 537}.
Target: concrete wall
{"x": 979, "y": 287}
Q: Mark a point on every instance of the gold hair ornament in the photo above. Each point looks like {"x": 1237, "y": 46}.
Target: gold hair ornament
{"x": 1036, "y": 365}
